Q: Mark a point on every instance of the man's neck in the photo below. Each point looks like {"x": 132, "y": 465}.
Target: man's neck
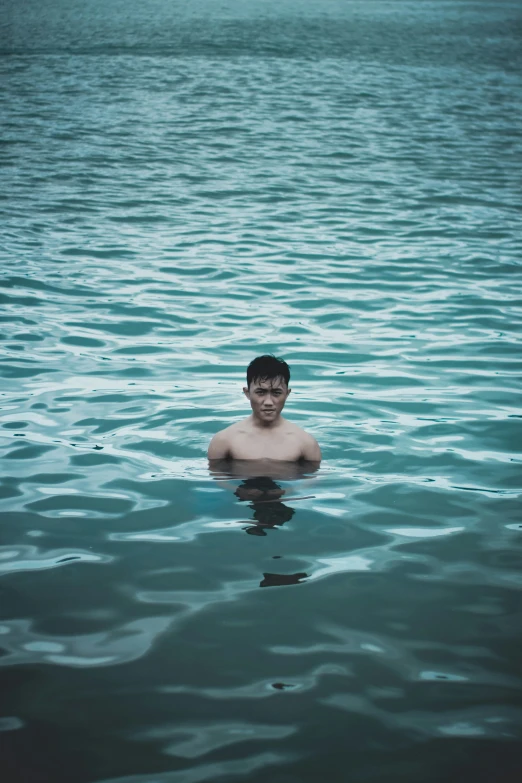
{"x": 265, "y": 426}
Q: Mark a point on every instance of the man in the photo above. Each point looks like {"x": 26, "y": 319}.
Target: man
{"x": 265, "y": 434}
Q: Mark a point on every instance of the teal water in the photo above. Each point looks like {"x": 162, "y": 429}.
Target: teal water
{"x": 184, "y": 187}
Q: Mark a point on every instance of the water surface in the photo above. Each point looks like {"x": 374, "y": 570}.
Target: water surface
{"x": 186, "y": 186}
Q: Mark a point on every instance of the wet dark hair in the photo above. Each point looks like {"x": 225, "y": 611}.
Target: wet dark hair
{"x": 267, "y": 368}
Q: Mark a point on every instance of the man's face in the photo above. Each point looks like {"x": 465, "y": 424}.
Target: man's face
{"x": 267, "y": 398}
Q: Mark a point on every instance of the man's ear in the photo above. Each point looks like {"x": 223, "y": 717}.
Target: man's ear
{"x": 246, "y": 392}
{"x": 288, "y": 392}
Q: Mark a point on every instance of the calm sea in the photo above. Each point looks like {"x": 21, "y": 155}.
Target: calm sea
{"x": 186, "y": 185}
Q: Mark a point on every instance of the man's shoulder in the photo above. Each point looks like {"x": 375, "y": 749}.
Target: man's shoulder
{"x": 223, "y": 441}
{"x": 297, "y": 431}
{"x": 231, "y": 430}
{"x": 307, "y": 443}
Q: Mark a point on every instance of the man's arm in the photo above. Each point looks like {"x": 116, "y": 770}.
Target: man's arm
{"x": 311, "y": 451}
{"x": 219, "y": 446}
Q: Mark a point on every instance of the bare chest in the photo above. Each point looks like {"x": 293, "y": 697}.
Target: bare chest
{"x": 276, "y": 446}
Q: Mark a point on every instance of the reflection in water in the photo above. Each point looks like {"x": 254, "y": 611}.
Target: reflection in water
{"x": 259, "y": 486}
{"x": 268, "y": 512}
{"x": 276, "y": 580}
{"x": 264, "y": 495}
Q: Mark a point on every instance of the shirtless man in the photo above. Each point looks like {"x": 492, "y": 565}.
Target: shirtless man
{"x": 265, "y": 434}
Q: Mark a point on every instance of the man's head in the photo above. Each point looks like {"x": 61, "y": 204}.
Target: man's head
{"x": 268, "y": 368}
{"x": 267, "y": 387}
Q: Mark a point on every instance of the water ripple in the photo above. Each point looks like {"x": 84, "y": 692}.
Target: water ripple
{"x": 186, "y": 187}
